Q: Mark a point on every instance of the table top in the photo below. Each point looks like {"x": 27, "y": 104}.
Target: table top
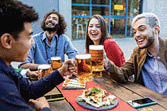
{"x": 125, "y": 92}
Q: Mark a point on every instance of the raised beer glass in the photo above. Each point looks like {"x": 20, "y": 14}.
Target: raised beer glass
{"x": 97, "y": 58}
{"x": 56, "y": 62}
{"x": 43, "y": 70}
{"x": 84, "y": 67}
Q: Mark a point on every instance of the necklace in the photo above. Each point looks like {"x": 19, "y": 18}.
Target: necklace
{"x": 47, "y": 58}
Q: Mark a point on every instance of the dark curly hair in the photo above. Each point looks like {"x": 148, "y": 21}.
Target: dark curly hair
{"x": 104, "y": 32}
{"x": 62, "y": 23}
{"x": 13, "y": 14}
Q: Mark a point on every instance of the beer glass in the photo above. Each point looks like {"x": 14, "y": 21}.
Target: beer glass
{"x": 84, "y": 66}
{"x": 43, "y": 70}
{"x": 97, "y": 57}
{"x": 56, "y": 62}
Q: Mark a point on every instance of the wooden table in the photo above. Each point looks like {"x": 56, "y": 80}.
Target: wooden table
{"x": 61, "y": 105}
{"x": 131, "y": 91}
{"x": 125, "y": 92}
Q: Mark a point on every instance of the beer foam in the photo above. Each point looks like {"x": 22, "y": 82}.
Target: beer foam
{"x": 55, "y": 58}
{"x": 44, "y": 66}
{"x": 96, "y": 47}
{"x": 83, "y": 56}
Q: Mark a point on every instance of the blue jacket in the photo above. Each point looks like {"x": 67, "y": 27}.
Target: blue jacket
{"x": 15, "y": 91}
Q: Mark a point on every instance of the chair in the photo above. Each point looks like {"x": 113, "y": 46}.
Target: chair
{"x": 79, "y": 30}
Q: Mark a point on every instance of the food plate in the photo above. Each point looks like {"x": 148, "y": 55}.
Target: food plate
{"x": 73, "y": 84}
{"x": 95, "y": 108}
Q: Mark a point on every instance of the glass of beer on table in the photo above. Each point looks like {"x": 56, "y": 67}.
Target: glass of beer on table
{"x": 84, "y": 67}
{"x": 97, "y": 58}
{"x": 56, "y": 62}
{"x": 43, "y": 70}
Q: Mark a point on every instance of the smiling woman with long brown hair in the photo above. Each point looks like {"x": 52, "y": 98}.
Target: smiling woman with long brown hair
{"x": 97, "y": 34}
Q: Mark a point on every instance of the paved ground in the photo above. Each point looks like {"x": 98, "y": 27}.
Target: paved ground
{"x": 126, "y": 44}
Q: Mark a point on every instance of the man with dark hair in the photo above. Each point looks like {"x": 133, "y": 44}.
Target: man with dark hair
{"x": 148, "y": 62}
{"x": 51, "y": 42}
{"x": 15, "y": 42}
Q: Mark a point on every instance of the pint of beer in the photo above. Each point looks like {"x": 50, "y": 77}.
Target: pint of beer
{"x": 84, "y": 66}
{"x": 56, "y": 62}
{"x": 43, "y": 70}
{"x": 97, "y": 56}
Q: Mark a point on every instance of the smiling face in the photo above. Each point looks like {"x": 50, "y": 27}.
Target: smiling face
{"x": 51, "y": 22}
{"x": 143, "y": 33}
{"x": 94, "y": 31}
{"x": 21, "y": 46}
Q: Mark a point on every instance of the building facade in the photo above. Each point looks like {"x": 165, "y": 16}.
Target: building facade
{"x": 117, "y": 13}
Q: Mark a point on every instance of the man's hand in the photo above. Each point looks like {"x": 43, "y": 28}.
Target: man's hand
{"x": 39, "y": 103}
{"x": 106, "y": 62}
{"x": 32, "y": 74}
{"x": 108, "y": 65}
{"x": 31, "y": 66}
{"x": 68, "y": 67}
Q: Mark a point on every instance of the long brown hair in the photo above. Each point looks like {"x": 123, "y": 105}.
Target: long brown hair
{"x": 104, "y": 31}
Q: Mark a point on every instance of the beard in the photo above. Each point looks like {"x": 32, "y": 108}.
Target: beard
{"x": 149, "y": 42}
{"x": 52, "y": 28}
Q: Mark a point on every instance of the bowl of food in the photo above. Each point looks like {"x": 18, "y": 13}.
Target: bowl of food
{"x": 97, "y": 99}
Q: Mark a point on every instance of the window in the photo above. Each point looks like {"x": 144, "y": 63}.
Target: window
{"x": 117, "y": 13}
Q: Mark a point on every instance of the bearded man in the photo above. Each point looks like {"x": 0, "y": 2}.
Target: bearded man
{"x": 148, "y": 62}
{"x": 49, "y": 43}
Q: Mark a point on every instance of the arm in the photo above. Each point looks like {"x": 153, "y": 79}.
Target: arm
{"x": 114, "y": 52}
{"x": 36, "y": 89}
{"x": 10, "y": 98}
{"x": 31, "y": 66}
{"x": 121, "y": 74}
{"x": 15, "y": 91}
